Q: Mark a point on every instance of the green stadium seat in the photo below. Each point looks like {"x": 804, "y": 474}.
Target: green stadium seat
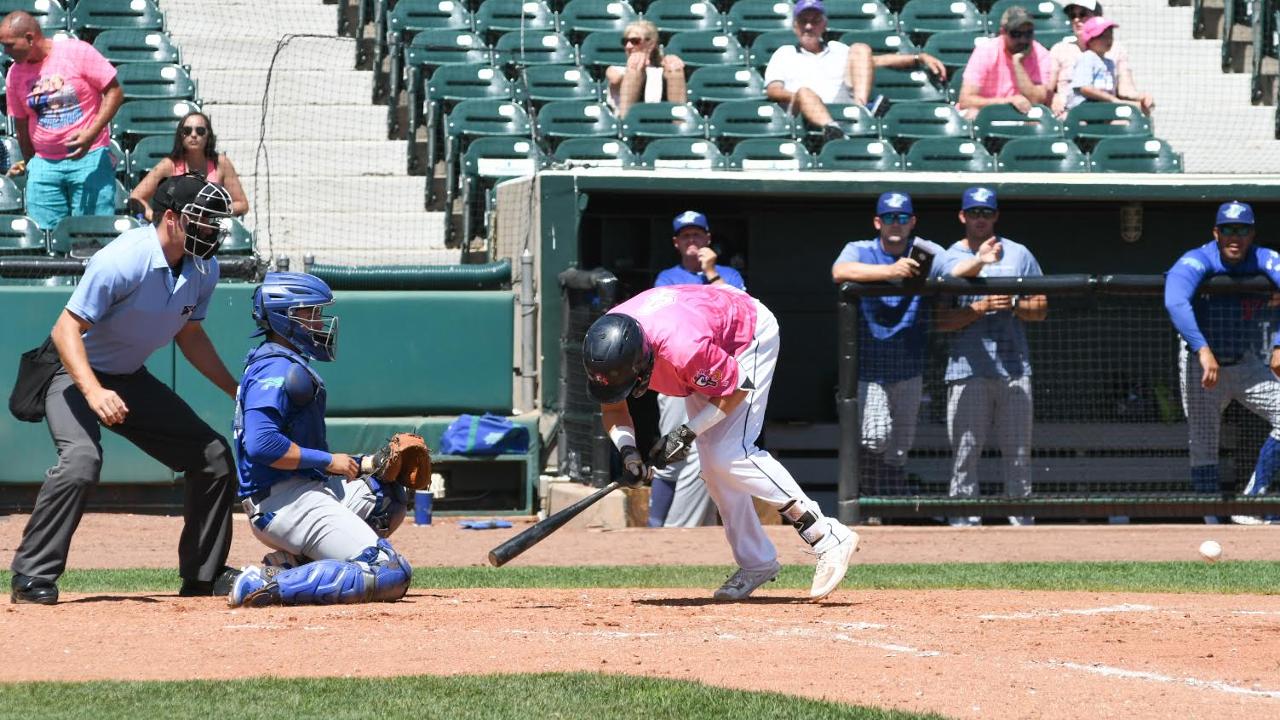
{"x": 770, "y": 154}
{"x": 997, "y": 123}
{"x": 602, "y": 49}
{"x": 682, "y": 154}
{"x": 127, "y": 46}
{"x": 647, "y": 121}
{"x": 907, "y": 86}
{"x": 881, "y": 41}
{"x": 139, "y": 118}
{"x": 449, "y": 85}
{"x": 953, "y": 48}
{"x": 534, "y": 47}
{"x": 1051, "y": 36}
{"x": 80, "y": 236}
{"x": 766, "y": 44}
{"x": 238, "y": 241}
{"x": 954, "y": 81}
{"x": 540, "y": 84}
{"x": 1048, "y": 16}
{"x": 1041, "y": 154}
{"x": 750, "y": 119}
{"x": 715, "y": 84}
{"x": 1089, "y": 122}
{"x": 427, "y": 51}
{"x": 949, "y": 154}
{"x": 90, "y": 17}
{"x": 121, "y": 205}
{"x": 709, "y": 47}
{"x": 855, "y": 120}
{"x": 471, "y": 119}
{"x": 595, "y": 152}
{"x": 1236, "y": 12}
{"x": 20, "y": 235}
{"x": 749, "y": 18}
{"x": 1134, "y": 155}
{"x": 155, "y": 81}
{"x": 922, "y": 18}
{"x": 51, "y": 14}
{"x": 908, "y": 122}
{"x": 145, "y": 155}
{"x": 487, "y": 161}
{"x": 495, "y": 18}
{"x": 1266, "y": 45}
{"x": 10, "y": 196}
{"x": 580, "y": 17}
{"x": 846, "y": 15}
{"x": 397, "y": 26}
{"x": 680, "y": 16}
{"x": 14, "y": 148}
{"x": 575, "y": 118}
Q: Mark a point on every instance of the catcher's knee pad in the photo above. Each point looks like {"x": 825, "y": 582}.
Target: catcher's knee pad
{"x": 389, "y": 572}
{"x": 321, "y": 582}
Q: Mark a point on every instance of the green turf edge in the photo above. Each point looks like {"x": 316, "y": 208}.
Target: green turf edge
{"x": 1233, "y": 577}
{"x": 590, "y": 696}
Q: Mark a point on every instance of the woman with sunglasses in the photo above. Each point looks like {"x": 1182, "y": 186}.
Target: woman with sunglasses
{"x": 194, "y": 152}
{"x": 1068, "y": 51}
{"x": 649, "y": 76}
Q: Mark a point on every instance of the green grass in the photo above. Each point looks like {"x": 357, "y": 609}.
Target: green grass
{"x": 1256, "y": 577}
{"x": 465, "y": 697}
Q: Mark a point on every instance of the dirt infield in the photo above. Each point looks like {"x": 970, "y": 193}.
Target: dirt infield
{"x": 968, "y": 654}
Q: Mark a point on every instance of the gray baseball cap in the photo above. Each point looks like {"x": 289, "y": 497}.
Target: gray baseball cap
{"x": 1015, "y": 17}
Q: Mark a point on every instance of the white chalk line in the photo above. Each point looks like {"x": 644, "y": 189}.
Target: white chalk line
{"x": 1218, "y": 685}
{"x": 1036, "y": 614}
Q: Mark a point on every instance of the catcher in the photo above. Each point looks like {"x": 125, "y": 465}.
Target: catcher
{"x": 326, "y": 515}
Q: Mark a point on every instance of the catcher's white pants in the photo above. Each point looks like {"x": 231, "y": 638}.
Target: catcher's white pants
{"x": 318, "y": 520}
{"x": 1250, "y": 382}
{"x": 889, "y": 414}
{"x": 733, "y": 467}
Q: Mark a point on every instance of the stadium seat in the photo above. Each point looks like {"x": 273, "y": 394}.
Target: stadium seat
{"x": 580, "y": 17}
{"x": 155, "y": 81}
{"x": 534, "y": 47}
{"x": 1089, "y": 122}
{"x": 907, "y": 86}
{"x": 682, "y": 154}
{"x": 139, "y": 118}
{"x": 238, "y": 241}
{"x": 922, "y": 18}
{"x": 680, "y": 16}
{"x": 766, "y": 44}
{"x": 575, "y": 118}
{"x": 770, "y": 154}
{"x": 997, "y": 123}
{"x": 713, "y": 84}
{"x": 1134, "y": 155}
{"x": 146, "y": 154}
{"x": 954, "y": 81}
{"x": 888, "y": 40}
{"x": 749, "y": 18}
{"x": 449, "y": 85}
{"x": 10, "y": 196}
{"x": 495, "y": 18}
{"x": 1041, "y": 154}
{"x": 859, "y": 155}
{"x": 750, "y": 118}
{"x": 472, "y": 119}
{"x": 397, "y": 27}
{"x": 949, "y": 154}
{"x": 954, "y": 48}
{"x": 127, "y": 46}
{"x": 846, "y": 15}
{"x": 1048, "y": 16}
{"x": 540, "y": 84}
{"x": 121, "y": 206}
{"x": 1265, "y": 45}
{"x": 647, "y": 121}
{"x": 14, "y": 148}
{"x": 51, "y": 14}
{"x": 90, "y": 17}
{"x": 487, "y": 161}
{"x": 855, "y": 120}
{"x": 595, "y": 152}
{"x": 80, "y": 236}
{"x": 710, "y": 47}
{"x": 20, "y": 235}
{"x": 602, "y": 49}
{"x": 427, "y": 51}
{"x": 907, "y": 122}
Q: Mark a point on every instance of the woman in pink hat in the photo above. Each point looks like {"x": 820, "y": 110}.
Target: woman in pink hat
{"x": 1094, "y": 74}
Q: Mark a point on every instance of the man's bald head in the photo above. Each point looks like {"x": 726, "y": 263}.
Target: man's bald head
{"x": 21, "y": 23}
{"x": 22, "y": 38}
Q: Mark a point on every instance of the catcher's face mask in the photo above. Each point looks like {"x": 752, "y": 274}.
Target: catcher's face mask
{"x": 320, "y": 328}
{"x": 205, "y": 223}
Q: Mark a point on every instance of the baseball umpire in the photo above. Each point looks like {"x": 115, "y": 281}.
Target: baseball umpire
{"x": 1220, "y": 359}
{"x": 147, "y": 288}
{"x": 327, "y": 525}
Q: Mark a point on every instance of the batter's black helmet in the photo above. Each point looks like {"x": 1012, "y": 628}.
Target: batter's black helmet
{"x": 618, "y": 358}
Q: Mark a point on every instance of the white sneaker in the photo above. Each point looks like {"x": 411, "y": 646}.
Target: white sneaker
{"x": 1247, "y": 520}
{"x": 742, "y": 583}
{"x": 833, "y": 560}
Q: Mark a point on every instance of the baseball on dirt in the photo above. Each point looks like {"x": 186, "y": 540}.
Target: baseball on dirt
{"x": 1210, "y": 550}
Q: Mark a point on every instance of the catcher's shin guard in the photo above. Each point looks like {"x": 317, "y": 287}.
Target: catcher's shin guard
{"x": 390, "y": 571}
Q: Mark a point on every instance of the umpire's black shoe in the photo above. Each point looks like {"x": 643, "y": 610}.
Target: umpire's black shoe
{"x": 220, "y": 585}
{"x": 28, "y": 590}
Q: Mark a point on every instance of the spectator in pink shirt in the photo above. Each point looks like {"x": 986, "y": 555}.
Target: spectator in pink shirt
{"x": 1012, "y": 69}
{"x": 1066, "y": 53}
{"x": 62, "y": 95}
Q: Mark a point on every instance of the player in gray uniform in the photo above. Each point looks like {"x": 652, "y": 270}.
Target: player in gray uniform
{"x": 891, "y": 340}
{"x": 988, "y": 366}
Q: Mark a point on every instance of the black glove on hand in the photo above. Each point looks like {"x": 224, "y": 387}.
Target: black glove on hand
{"x": 634, "y": 473}
{"x": 672, "y": 447}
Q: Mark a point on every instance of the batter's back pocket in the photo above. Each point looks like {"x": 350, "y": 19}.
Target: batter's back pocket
{"x": 35, "y": 371}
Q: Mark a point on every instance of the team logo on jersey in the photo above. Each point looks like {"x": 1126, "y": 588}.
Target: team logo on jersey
{"x": 895, "y": 200}
{"x": 658, "y": 300}
{"x": 1234, "y": 211}
{"x": 271, "y": 383}
{"x": 1192, "y": 263}
{"x": 188, "y": 309}
{"x": 708, "y": 378}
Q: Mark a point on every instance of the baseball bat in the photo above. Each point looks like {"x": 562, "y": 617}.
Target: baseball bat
{"x": 500, "y": 555}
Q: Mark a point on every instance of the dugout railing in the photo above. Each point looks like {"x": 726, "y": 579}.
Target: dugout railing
{"x": 1109, "y": 436}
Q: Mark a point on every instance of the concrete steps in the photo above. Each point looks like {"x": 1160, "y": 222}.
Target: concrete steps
{"x": 242, "y": 86}
{"x": 340, "y": 123}
{"x": 338, "y": 194}
{"x": 313, "y": 157}
{"x": 204, "y": 52}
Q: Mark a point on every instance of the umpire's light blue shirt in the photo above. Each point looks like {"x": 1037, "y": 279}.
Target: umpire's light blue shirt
{"x": 134, "y": 302}
{"x": 996, "y": 344}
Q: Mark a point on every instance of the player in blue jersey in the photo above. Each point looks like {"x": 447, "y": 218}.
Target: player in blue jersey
{"x": 891, "y": 340}
{"x": 1221, "y": 359}
{"x": 327, "y": 525}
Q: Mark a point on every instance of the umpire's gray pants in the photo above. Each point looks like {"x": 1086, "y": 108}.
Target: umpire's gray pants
{"x": 977, "y": 406}
{"x": 691, "y": 504}
{"x": 889, "y": 414}
{"x": 1250, "y": 382}
{"x": 163, "y": 426}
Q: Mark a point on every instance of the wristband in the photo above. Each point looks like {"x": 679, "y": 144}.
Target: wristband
{"x": 705, "y": 419}
{"x": 622, "y": 436}
{"x": 314, "y": 459}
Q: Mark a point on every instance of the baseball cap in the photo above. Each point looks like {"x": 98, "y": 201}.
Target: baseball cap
{"x": 1095, "y": 26}
{"x": 803, "y": 5}
{"x": 1090, "y": 5}
{"x": 178, "y": 191}
{"x": 894, "y": 202}
{"x": 1235, "y": 213}
{"x": 978, "y": 197}
{"x": 687, "y": 218}
{"x": 1015, "y": 17}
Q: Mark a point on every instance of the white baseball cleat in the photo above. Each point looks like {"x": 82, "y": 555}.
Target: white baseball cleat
{"x": 249, "y": 581}
{"x": 742, "y": 583}
{"x": 838, "y": 547}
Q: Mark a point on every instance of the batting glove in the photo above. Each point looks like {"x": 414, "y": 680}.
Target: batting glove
{"x": 635, "y": 472}
{"x": 672, "y": 447}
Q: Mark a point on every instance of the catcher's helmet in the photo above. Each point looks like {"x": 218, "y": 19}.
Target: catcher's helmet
{"x": 291, "y": 305}
{"x": 205, "y": 209}
{"x": 618, "y": 358}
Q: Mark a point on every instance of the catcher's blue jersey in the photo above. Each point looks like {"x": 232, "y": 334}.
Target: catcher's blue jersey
{"x": 281, "y": 399}
{"x": 1229, "y": 324}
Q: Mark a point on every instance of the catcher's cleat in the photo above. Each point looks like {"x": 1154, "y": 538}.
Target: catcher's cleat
{"x": 833, "y": 560}
{"x": 249, "y": 589}
{"x": 742, "y": 583}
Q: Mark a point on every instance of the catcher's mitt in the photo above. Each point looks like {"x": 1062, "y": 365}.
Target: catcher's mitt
{"x": 406, "y": 459}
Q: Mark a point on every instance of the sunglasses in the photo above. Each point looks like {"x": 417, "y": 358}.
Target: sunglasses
{"x": 895, "y": 218}
{"x": 200, "y": 131}
{"x": 1235, "y": 230}
{"x": 1080, "y": 15}
{"x": 632, "y": 41}
{"x": 980, "y": 213}
{"x": 1022, "y": 34}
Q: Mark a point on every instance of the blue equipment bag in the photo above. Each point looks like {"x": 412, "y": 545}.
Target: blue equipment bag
{"x": 487, "y": 434}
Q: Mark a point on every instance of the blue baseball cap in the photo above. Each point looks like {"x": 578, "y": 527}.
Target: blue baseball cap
{"x": 1235, "y": 213}
{"x": 894, "y": 202}
{"x": 687, "y": 218}
{"x": 983, "y": 197}
{"x": 802, "y": 5}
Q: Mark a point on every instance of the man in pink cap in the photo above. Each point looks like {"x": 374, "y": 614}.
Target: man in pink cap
{"x": 1094, "y": 74}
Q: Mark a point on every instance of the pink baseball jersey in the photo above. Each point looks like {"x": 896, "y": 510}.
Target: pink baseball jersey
{"x": 60, "y": 95}
{"x": 696, "y": 331}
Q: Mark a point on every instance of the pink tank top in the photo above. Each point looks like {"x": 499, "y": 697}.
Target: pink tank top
{"x": 210, "y": 171}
